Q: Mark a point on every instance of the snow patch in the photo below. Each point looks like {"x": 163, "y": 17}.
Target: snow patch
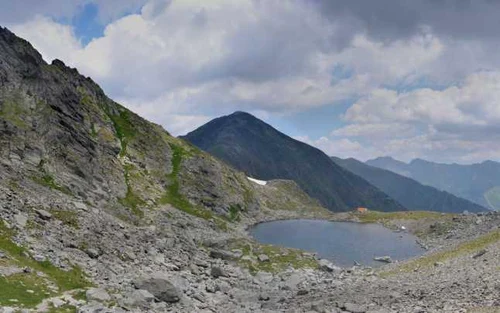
{"x": 260, "y": 182}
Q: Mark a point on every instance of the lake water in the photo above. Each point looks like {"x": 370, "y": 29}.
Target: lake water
{"x": 340, "y": 242}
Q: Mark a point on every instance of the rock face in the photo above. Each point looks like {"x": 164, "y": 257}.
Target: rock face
{"x": 160, "y": 288}
{"x": 98, "y": 294}
{"x": 255, "y": 147}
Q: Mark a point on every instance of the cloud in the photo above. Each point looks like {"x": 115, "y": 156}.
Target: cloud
{"x": 51, "y": 39}
{"x": 420, "y": 84}
{"x": 395, "y": 19}
{"x": 14, "y": 11}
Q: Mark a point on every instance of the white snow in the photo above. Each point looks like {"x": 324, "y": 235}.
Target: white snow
{"x": 260, "y": 182}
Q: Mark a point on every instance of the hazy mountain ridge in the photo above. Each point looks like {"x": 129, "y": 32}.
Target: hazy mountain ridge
{"x": 261, "y": 151}
{"x": 409, "y": 192}
{"x": 479, "y": 182}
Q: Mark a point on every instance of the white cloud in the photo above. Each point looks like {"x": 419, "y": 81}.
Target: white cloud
{"x": 181, "y": 62}
{"x": 51, "y": 39}
{"x": 474, "y": 102}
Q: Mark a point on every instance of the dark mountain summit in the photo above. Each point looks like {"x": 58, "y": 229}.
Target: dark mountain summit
{"x": 262, "y": 152}
{"x": 479, "y": 183}
{"x": 409, "y": 192}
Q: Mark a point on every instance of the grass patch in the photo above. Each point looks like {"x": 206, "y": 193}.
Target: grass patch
{"x": 470, "y": 247}
{"x": 131, "y": 200}
{"x": 124, "y": 129}
{"x": 234, "y": 213}
{"x": 11, "y": 110}
{"x": 173, "y": 195}
{"x": 375, "y": 216}
{"x": 27, "y": 290}
{"x": 68, "y": 218}
{"x": 16, "y": 286}
{"x": 93, "y": 131}
{"x": 48, "y": 180}
{"x": 67, "y": 308}
{"x": 280, "y": 258}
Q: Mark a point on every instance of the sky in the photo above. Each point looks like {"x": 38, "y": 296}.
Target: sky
{"x": 405, "y": 78}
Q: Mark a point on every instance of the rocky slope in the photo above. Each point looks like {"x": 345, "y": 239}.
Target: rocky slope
{"x": 409, "y": 192}
{"x": 89, "y": 187}
{"x": 102, "y": 211}
{"x": 252, "y": 146}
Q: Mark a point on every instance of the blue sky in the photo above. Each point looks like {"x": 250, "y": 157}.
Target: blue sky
{"x": 355, "y": 81}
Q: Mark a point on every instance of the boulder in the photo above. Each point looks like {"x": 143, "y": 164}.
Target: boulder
{"x": 44, "y": 215}
{"x": 223, "y": 255}
{"x": 93, "y": 253}
{"x": 21, "y": 220}
{"x": 139, "y": 298}
{"x": 263, "y": 258}
{"x": 327, "y": 266}
{"x": 217, "y": 272}
{"x": 385, "y": 259}
{"x": 97, "y": 294}
{"x": 160, "y": 288}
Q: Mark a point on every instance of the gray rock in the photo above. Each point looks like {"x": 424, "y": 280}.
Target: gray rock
{"x": 21, "y": 220}
{"x": 97, "y": 294}
{"x": 264, "y": 297}
{"x": 327, "y": 266}
{"x": 354, "y": 308}
{"x": 264, "y": 277}
{"x": 161, "y": 288}
{"x": 93, "y": 253}
{"x": 385, "y": 259}
{"x": 217, "y": 272}
{"x": 139, "y": 298}
{"x": 223, "y": 255}
{"x": 480, "y": 254}
{"x": 80, "y": 206}
{"x": 263, "y": 258}
{"x": 44, "y": 215}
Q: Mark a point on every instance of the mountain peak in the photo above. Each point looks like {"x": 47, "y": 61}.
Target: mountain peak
{"x": 258, "y": 149}
{"x": 240, "y": 113}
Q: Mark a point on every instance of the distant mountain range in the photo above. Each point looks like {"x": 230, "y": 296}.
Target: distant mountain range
{"x": 263, "y": 152}
{"x": 479, "y": 183}
{"x": 410, "y": 193}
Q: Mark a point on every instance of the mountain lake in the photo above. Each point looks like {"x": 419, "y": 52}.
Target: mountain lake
{"x": 343, "y": 243}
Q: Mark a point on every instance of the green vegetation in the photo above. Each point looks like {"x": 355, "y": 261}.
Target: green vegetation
{"x": 124, "y": 129}
{"x": 492, "y": 196}
{"x": 375, "y": 216}
{"x": 22, "y": 289}
{"x": 48, "y": 180}
{"x": 93, "y": 131}
{"x": 234, "y": 212}
{"x": 470, "y": 247}
{"x": 63, "y": 309}
{"x": 131, "y": 200}
{"x": 279, "y": 258}
{"x": 172, "y": 195}
{"x": 29, "y": 289}
{"x": 11, "y": 110}
{"x": 69, "y": 218}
